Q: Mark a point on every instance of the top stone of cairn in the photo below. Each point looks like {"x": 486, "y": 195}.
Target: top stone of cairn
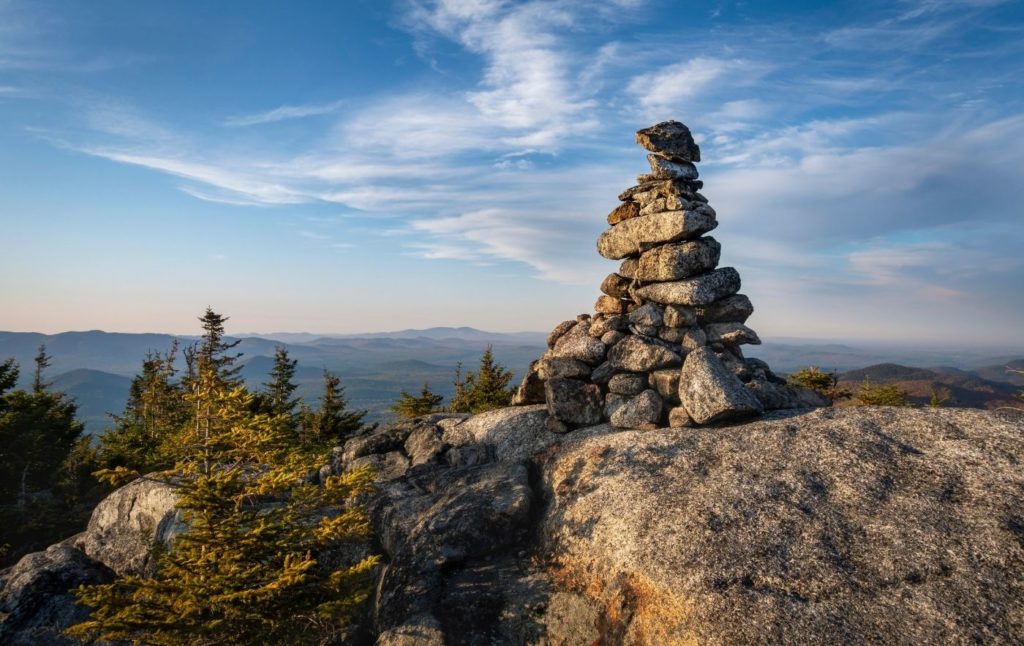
{"x": 671, "y": 140}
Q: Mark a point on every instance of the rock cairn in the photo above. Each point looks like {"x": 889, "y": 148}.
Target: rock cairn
{"x": 663, "y": 348}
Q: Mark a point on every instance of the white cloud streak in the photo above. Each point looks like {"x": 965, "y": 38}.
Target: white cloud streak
{"x": 284, "y": 113}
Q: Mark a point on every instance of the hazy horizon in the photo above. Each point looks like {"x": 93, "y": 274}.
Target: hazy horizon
{"x": 413, "y": 164}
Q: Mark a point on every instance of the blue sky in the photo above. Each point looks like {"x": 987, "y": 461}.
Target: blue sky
{"x": 359, "y": 166}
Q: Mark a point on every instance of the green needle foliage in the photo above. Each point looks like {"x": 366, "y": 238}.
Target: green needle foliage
{"x": 871, "y": 394}
{"x": 823, "y": 383}
{"x": 331, "y": 423}
{"x": 155, "y": 411}
{"x": 252, "y": 567}
{"x": 278, "y": 396}
{"x": 409, "y": 406}
{"x": 41, "y": 452}
{"x": 937, "y": 400}
{"x": 483, "y": 390}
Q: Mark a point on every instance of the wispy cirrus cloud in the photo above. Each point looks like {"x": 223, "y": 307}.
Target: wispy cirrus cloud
{"x": 830, "y": 176}
{"x": 284, "y": 113}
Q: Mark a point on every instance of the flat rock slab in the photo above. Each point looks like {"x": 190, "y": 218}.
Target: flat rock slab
{"x": 636, "y": 235}
{"x": 662, "y": 168}
{"x": 639, "y": 411}
{"x": 579, "y": 345}
{"x": 731, "y": 334}
{"x": 638, "y": 354}
{"x": 736, "y": 308}
{"x": 710, "y": 393}
{"x": 857, "y": 525}
{"x": 670, "y": 139}
{"x": 699, "y": 290}
{"x": 674, "y": 261}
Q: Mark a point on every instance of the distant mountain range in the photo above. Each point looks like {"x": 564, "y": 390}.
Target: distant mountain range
{"x": 96, "y": 367}
{"x": 961, "y": 388}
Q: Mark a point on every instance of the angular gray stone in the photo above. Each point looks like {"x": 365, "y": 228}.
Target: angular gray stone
{"x": 672, "y": 334}
{"x": 385, "y": 466}
{"x": 602, "y": 373}
{"x": 36, "y": 600}
{"x": 699, "y": 290}
{"x": 638, "y": 354}
{"x": 639, "y": 411}
{"x": 612, "y": 337}
{"x": 666, "y": 383}
{"x": 512, "y": 434}
{"x": 604, "y": 324}
{"x": 125, "y": 525}
{"x": 731, "y": 334}
{"x": 647, "y": 314}
{"x": 645, "y": 192}
{"x": 775, "y": 396}
{"x": 694, "y": 338}
{"x": 680, "y": 316}
{"x": 424, "y": 444}
{"x": 679, "y": 260}
{"x": 662, "y": 168}
{"x": 610, "y": 305}
{"x": 669, "y": 203}
{"x": 574, "y": 402}
{"x": 531, "y": 389}
{"x": 733, "y": 361}
{"x": 711, "y": 393}
{"x": 559, "y": 331}
{"x": 628, "y": 383}
{"x": 679, "y": 418}
{"x": 578, "y": 344}
{"x": 736, "y": 308}
{"x": 647, "y": 231}
{"x": 615, "y": 285}
{"x": 624, "y": 211}
{"x": 644, "y": 330}
{"x": 669, "y": 139}
{"x": 555, "y": 367}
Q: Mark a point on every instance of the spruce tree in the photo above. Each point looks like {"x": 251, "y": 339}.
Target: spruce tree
{"x": 250, "y": 568}
{"x": 871, "y": 394}
{"x": 483, "y": 390}
{"x": 42, "y": 362}
{"x": 214, "y": 352}
{"x": 331, "y": 423}
{"x": 277, "y": 397}
{"x": 38, "y": 431}
{"x": 154, "y": 413}
{"x": 821, "y": 382}
{"x": 408, "y": 406}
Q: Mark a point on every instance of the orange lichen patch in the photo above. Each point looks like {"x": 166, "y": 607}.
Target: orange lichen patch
{"x": 636, "y": 611}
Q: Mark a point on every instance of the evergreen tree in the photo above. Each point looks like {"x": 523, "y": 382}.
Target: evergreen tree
{"x": 331, "y": 423}
{"x": 154, "y": 413}
{"x": 250, "y": 568}
{"x": 214, "y": 353}
{"x": 483, "y": 390}
{"x": 38, "y": 431}
{"x": 408, "y": 406}
{"x": 277, "y": 397}
{"x": 821, "y": 382}
{"x": 42, "y": 362}
{"x": 872, "y": 394}
{"x": 937, "y": 400}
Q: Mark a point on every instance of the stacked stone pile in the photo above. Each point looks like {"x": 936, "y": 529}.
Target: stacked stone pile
{"x": 663, "y": 348}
